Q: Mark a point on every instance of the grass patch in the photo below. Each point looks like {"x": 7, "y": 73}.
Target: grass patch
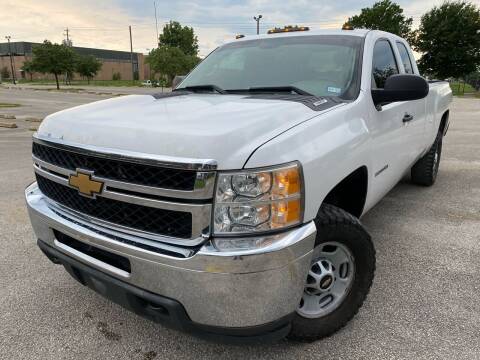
{"x": 458, "y": 88}
{"x": 6, "y": 105}
{"x": 128, "y": 83}
{"x": 33, "y": 119}
{"x": 120, "y": 83}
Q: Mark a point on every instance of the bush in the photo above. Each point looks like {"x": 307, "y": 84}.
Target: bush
{"x": 135, "y": 75}
{"x": 116, "y": 76}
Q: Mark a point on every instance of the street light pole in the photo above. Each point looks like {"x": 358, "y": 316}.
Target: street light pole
{"x": 131, "y": 53}
{"x": 156, "y": 23}
{"x": 11, "y": 59}
{"x": 257, "y": 19}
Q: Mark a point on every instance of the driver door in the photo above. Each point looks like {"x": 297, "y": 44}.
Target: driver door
{"x": 390, "y": 153}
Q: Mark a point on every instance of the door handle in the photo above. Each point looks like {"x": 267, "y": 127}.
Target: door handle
{"x": 407, "y": 117}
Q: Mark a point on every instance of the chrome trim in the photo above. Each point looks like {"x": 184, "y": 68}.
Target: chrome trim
{"x": 52, "y": 167}
{"x": 135, "y": 235}
{"x": 204, "y": 191}
{"x": 201, "y": 213}
{"x": 204, "y": 183}
{"x": 275, "y": 242}
{"x": 233, "y": 289}
{"x": 67, "y": 249}
{"x": 125, "y": 155}
{"x": 51, "y": 176}
{"x": 259, "y": 202}
{"x": 160, "y": 243}
{"x": 51, "y": 214}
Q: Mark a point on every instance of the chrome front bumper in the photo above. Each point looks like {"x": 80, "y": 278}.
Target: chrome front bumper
{"x": 224, "y": 289}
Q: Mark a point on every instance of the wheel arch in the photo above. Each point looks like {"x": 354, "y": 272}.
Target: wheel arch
{"x": 443, "y": 127}
{"x": 350, "y": 193}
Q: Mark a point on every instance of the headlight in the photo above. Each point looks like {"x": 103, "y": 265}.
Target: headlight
{"x": 253, "y": 201}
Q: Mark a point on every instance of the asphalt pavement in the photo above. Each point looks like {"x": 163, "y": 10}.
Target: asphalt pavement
{"x": 424, "y": 303}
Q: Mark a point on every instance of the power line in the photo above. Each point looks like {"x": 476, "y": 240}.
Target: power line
{"x": 330, "y": 20}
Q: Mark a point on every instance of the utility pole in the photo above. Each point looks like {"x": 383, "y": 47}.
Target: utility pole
{"x": 257, "y": 19}
{"x": 156, "y": 23}
{"x": 67, "y": 43}
{"x": 11, "y": 59}
{"x": 131, "y": 53}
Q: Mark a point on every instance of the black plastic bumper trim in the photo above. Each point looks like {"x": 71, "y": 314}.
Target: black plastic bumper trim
{"x": 161, "y": 309}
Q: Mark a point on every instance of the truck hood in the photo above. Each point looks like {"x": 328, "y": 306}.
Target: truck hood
{"x": 225, "y": 128}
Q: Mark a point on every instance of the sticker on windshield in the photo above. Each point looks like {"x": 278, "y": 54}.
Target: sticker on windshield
{"x": 335, "y": 90}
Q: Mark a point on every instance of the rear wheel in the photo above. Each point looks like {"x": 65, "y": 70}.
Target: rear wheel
{"x": 425, "y": 170}
{"x": 340, "y": 275}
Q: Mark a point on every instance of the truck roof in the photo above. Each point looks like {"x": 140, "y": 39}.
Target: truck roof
{"x": 356, "y": 32}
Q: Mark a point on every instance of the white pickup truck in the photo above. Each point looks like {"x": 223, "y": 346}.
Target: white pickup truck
{"x": 230, "y": 207}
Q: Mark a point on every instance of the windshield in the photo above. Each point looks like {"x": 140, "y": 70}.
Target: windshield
{"x": 322, "y": 65}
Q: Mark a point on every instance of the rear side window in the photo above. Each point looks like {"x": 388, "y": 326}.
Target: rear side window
{"x": 405, "y": 56}
{"x": 384, "y": 64}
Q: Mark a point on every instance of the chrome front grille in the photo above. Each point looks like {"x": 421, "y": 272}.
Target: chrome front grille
{"x": 124, "y": 171}
{"x": 149, "y": 197}
{"x": 144, "y": 218}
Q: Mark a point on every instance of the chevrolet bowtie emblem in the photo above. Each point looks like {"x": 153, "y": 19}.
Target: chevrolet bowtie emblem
{"x": 83, "y": 182}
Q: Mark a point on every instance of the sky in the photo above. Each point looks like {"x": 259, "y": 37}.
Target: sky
{"x": 104, "y": 23}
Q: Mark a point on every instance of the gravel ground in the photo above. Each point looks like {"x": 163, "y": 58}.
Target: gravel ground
{"x": 424, "y": 302}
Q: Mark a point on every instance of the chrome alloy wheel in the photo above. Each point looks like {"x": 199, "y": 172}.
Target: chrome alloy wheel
{"x": 328, "y": 281}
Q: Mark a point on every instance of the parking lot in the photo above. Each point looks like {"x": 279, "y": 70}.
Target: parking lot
{"x": 424, "y": 303}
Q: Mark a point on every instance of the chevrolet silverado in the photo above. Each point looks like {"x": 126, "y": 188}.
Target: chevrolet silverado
{"x": 230, "y": 207}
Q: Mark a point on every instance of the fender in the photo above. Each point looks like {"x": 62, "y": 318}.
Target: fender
{"x": 329, "y": 147}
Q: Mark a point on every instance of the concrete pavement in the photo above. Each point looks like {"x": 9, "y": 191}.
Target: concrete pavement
{"x": 424, "y": 303}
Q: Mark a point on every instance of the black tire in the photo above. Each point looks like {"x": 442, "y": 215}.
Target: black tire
{"x": 334, "y": 224}
{"x": 425, "y": 170}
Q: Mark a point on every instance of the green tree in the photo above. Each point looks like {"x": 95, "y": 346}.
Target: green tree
{"x": 449, "y": 40}
{"x": 171, "y": 61}
{"x": 474, "y": 79}
{"x": 182, "y": 37}
{"x": 27, "y": 67}
{"x": 383, "y": 15}
{"x": 53, "y": 59}
{"x": 88, "y": 66}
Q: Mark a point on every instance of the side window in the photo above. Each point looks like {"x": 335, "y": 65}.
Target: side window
{"x": 384, "y": 64}
{"x": 407, "y": 62}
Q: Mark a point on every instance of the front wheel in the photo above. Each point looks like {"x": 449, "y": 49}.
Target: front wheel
{"x": 340, "y": 275}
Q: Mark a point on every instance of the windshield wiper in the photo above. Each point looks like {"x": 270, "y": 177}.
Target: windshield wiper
{"x": 200, "y": 88}
{"x": 274, "y": 89}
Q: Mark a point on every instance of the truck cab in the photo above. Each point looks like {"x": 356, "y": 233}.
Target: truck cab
{"x": 230, "y": 208}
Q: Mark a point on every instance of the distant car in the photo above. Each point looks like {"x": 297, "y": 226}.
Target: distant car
{"x": 150, "y": 83}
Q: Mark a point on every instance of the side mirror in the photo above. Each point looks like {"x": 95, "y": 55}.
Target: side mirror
{"x": 177, "y": 80}
{"x": 401, "y": 87}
